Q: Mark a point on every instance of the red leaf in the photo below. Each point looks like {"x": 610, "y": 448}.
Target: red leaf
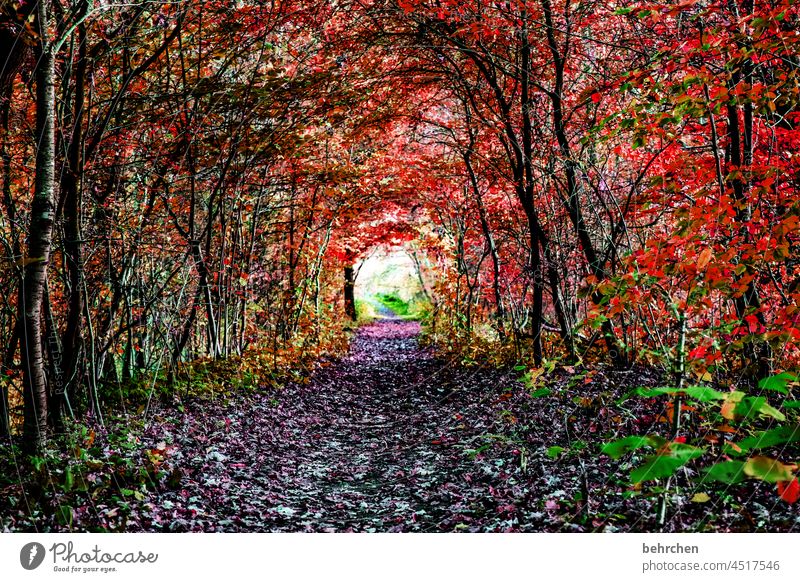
{"x": 790, "y": 492}
{"x": 698, "y": 352}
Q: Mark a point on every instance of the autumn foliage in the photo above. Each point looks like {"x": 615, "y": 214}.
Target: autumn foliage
{"x": 592, "y": 182}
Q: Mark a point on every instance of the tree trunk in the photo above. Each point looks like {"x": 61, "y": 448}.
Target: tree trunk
{"x": 739, "y": 151}
{"x": 39, "y": 243}
{"x": 73, "y": 246}
{"x": 537, "y": 275}
{"x": 349, "y": 293}
{"x": 571, "y": 201}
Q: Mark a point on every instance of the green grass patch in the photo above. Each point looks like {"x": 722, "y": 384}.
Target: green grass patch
{"x": 412, "y": 310}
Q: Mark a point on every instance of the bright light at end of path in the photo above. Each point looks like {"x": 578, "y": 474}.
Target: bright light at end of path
{"x": 387, "y": 271}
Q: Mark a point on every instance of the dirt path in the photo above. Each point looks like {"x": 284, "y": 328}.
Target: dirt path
{"x": 388, "y": 439}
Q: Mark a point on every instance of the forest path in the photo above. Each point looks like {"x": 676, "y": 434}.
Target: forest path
{"x": 389, "y": 438}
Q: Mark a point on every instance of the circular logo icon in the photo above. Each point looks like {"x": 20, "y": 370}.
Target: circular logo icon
{"x": 31, "y": 555}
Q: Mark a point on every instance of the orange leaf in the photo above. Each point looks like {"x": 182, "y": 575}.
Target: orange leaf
{"x": 727, "y": 409}
{"x": 704, "y": 258}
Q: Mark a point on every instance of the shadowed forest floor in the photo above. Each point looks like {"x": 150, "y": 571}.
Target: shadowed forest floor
{"x": 392, "y": 438}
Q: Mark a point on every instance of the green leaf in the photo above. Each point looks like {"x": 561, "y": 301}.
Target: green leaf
{"x": 64, "y": 515}
{"x": 664, "y": 465}
{"x": 766, "y": 469}
{"x": 630, "y": 443}
{"x": 69, "y": 479}
{"x": 768, "y": 410}
{"x": 728, "y": 472}
{"x": 752, "y": 405}
{"x": 768, "y": 438}
{"x": 704, "y": 394}
{"x": 685, "y": 452}
{"x": 791, "y": 404}
{"x": 656, "y": 467}
{"x": 541, "y": 392}
{"x": 621, "y": 11}
{"x": 699, "y": 393}
{"x": 653, "y": 392}
{"x": 554, "y": 452}
{"x": 778, "y": 382}
{"x": 578, "y": 445}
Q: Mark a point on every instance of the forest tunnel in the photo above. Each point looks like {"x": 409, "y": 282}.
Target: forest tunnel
{"x": 204, "y": 197}
{"x": 192, "y": 204}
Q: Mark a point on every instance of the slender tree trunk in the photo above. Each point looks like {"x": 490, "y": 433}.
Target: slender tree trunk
{"x": 740, "y": 156}
{"x": 55, "y": 395}
{"x": 349, "y": 293}
{"x": 8, "y": 359}
{"x": 554, "y": 279}
{"x": 185, "y": 335}
{"x": 208, "y": 299}
{"x": 73, "y": 245}
{"x": 39, "y": 243}
{"x": 537, "y": 275}
{"x": 526, "y": 195}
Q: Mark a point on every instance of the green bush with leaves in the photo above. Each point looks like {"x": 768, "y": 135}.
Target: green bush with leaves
{"x": 724, "y": 457}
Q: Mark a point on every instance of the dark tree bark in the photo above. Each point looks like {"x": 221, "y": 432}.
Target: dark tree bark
{"x": 488, "y": 235}
{"x": 349, "y": 293}
{"x": 739, "y": 154}
{"x": 39, "y": 243}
